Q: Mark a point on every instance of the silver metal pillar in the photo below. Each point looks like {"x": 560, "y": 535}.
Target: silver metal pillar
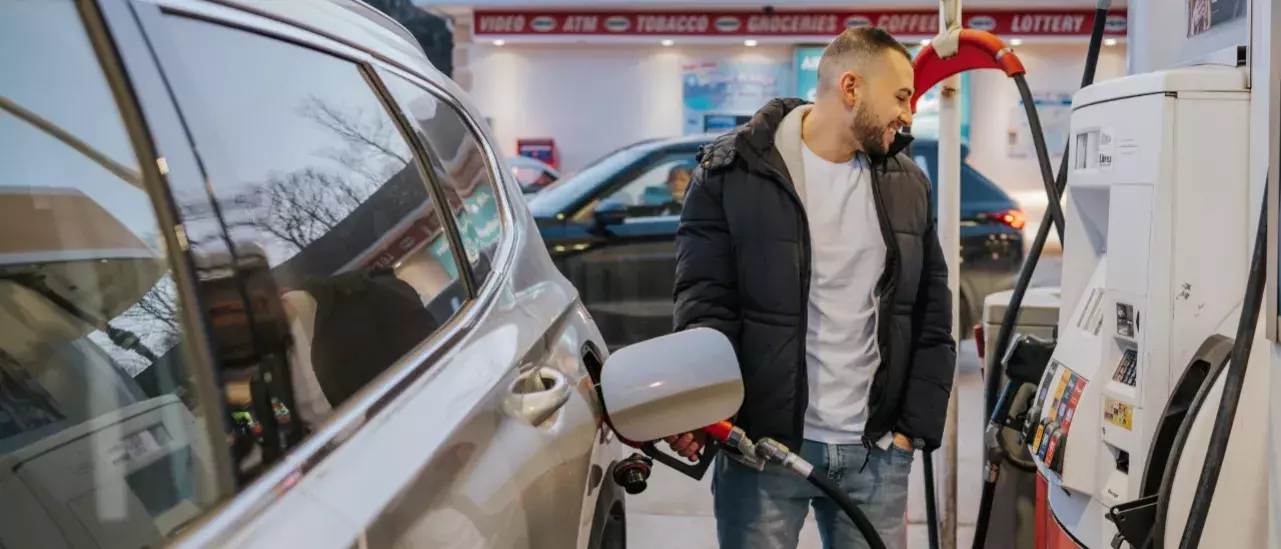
{"x": 949, "y": 228}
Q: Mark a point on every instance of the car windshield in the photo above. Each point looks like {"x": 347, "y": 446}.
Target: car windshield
{"x": 528, "y": 177}
{"x": 559, "y": 195}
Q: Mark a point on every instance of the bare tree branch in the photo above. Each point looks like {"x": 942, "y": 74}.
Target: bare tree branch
{"x": 350, "y": 129}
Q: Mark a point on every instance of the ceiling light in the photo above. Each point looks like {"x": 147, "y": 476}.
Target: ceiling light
{"x": 749, "y": 43}
{"x": 667, "y": 42}
{"x": 1109, "y": 42}
{"x": 1016, "y": 42}
{"x": 499, "y": 42}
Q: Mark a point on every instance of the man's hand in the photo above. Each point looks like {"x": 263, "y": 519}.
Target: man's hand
{"x": 688, "y": 444}
{"x": 903, "y": 442}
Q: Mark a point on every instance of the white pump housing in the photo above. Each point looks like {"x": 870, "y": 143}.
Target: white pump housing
{"x": 1156, "y": 249}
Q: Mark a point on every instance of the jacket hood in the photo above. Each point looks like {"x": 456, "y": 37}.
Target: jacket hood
{"x": 758, "y": 134}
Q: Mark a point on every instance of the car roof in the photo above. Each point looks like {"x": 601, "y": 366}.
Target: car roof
{"x": 569, "y": 191}
{"x": 703, "y": 138}
{"x": 370, "y": 30}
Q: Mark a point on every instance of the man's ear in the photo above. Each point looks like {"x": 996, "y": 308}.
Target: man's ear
{"x": 851, "y": 86}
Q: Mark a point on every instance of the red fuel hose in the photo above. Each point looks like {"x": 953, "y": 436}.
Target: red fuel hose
{"x": 977, "y": 50}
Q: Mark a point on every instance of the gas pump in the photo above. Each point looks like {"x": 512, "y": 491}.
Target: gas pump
{"x": 1156, "y": 268}
{"x": 1122, "y": 426}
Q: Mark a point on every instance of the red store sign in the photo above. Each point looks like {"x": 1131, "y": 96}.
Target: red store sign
{"x": 808, "y": 23}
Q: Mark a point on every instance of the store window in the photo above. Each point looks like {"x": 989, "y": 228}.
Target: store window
{"x": 464, "y": 175}
{"x": 102, "y": 439}
{"x": 333, "y": 226}
{"x": 657, "y": 190}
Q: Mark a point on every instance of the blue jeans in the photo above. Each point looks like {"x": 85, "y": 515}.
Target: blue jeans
{"x": 766, "y": 509}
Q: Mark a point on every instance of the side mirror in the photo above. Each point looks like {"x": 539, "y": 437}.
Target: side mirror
{"x": 672, "y": 384}
{"x": 608, "y": 214}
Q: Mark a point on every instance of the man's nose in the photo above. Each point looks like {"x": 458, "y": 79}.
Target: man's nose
{"x": 906, "y": 118}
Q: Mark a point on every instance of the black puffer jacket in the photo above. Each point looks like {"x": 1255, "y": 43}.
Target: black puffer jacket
{"x": 744, "y": 268}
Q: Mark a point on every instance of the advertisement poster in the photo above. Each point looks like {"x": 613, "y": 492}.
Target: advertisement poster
{"x": 1055, "y": 111}
{"x": 714, "y": 91}
{"x": 1204, "y": 15}
{"x": 925, "y": 123}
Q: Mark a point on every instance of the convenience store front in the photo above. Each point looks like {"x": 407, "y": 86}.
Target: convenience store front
{"x": 594, "y": 80}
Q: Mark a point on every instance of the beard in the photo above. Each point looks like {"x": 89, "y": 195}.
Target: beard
{"x": 869, "y": 133}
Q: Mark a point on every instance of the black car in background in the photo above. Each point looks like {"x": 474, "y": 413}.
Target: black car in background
{"x": 611, "y": 230}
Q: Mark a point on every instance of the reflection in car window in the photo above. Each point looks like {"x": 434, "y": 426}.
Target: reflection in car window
{"x": 657, "y": 191}
{"x": 461, "y": 169}
{"x": 331, "y": 221}
{"x": 102, "y": 440}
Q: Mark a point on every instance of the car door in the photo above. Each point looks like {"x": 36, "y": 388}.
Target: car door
{"x": 334, "y": 225}
{"x": 375, "y": 234}
{"x": 625, "y": 268}
{"x": 110, "y": 432}
{"x": 537, "y": 454}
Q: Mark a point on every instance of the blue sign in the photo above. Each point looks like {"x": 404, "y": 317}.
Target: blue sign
{"x": 729, "y": 89}
{"x": 807, "y": 72}
{"x": 924, "y": 123}
{"x": 716, "y": 123}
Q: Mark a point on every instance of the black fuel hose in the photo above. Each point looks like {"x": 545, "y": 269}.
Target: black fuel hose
{"x": 996, "y": 455}
{"x": 931, "y": 502}
{"x": 1006, "y": 332}
{"x": 865, "y": 526}
{"x": 1232, "y": 385}
{"x": 1053, "y": 215}
{"x": 1053, "y": 209}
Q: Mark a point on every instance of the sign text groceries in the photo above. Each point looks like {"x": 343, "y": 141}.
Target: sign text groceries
{"x": 1038, "y": 23}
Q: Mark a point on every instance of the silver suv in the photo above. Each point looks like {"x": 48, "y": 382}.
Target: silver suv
{"x": 266, "y": 282}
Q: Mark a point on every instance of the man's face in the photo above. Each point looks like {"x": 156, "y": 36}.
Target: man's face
{"x": 882, "y": 102}
{"x": 677, "y": 183}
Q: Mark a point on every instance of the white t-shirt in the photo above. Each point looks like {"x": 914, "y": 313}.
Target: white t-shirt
{"x": 848, "y": 256}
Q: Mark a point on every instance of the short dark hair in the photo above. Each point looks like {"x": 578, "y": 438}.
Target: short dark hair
{"x": 855, "y": 47}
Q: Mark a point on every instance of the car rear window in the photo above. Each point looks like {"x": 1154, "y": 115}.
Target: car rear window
{"x": 975, "y": 187}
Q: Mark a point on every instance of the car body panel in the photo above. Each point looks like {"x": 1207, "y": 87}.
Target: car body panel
{"x": 431, "y": 453}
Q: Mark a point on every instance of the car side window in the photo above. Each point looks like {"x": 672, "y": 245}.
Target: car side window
{"x": 332, "y": 225}
{"x": 656, "y": 190}
{"x": 461, "y": 169}
{"x": 103, "y": 440}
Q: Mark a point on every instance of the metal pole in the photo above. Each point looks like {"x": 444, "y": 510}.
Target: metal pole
{"x": 949, "y": 229}
{"x": 949, "y": 226}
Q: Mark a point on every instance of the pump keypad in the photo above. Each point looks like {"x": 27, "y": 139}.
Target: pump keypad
{"x": 1125, "y": 370}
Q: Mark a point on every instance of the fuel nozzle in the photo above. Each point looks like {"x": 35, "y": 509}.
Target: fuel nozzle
{"x": 773, "y": 451}
{"x": 633, "y": 473}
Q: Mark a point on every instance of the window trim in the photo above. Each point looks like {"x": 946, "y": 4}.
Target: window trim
{"x": 429, "y": 154}
{"x": 104, "y": 21}
{"x": 428, "y": 175}
{"x": 221, "y": 523}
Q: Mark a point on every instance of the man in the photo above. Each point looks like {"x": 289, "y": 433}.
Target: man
{"x": 678, "y": 181}
{"x": 808, "y": 239}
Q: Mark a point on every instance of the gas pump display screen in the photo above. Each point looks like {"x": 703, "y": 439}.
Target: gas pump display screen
{"x": 1087, "y": 150}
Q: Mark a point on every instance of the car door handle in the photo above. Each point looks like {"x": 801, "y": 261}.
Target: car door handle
{"x": 537, "y": 394}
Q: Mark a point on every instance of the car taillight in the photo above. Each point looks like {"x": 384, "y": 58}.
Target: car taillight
{"x": 1014, "y": 218}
